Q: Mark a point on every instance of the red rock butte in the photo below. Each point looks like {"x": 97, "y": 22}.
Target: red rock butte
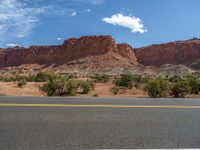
{"x": 87, "y": 51}
{"x": 177, "y": 53}
{"x": 100, "y": 52}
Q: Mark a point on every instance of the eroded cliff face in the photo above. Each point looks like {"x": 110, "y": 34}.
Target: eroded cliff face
{"x": 101, "y": 50}
{"x": 177, "y": 53}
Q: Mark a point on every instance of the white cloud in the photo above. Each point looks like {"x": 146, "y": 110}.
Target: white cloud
{"x": 96, "y": 2}
{"x": 12, "y": 45}
{"x": 21, "y": 36}
{"x": 59, "y": 39}
{"x": 131, "y": 22}
{"x": 93, "y": 2}
{"x": 17, "y": 19}
{"x": 74, "y": 14}
{"x": 87, "y": 10}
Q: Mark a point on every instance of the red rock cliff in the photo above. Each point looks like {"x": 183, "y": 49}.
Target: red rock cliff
{"x": 102, "y": 50}
{"x": 180, "y": 52}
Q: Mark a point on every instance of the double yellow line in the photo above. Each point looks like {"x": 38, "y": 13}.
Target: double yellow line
{"x": 99, "y": 106}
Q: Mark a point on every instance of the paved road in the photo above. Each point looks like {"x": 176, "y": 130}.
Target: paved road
{"x": 41, "y": 124}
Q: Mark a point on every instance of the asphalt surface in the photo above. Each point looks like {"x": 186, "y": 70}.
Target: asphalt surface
{"x": 98, "y": 125}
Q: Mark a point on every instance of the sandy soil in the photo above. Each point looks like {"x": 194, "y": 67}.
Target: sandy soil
{"x": 11, "y": 88}
{"x": 103, "y": 90}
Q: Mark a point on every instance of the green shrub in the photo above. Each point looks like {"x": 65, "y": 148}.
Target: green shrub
{"x": 157, "y": 88}
{"x": 42, "y": 77}
{"x": 71, "y": 87}
{"x": 125, "y": 80}
{"x": 56, "y": 86}
{"x": 180, "y": 89}
{"x": 63, "y": 86}
{"x": 21, "y": 83}
{"x": 145, "y": 79}
{"x": 194, "y": 83}
{"x": 86, "y": 86}
{"x": 114, "y": 90}
{"x": 175, "y": 79}
{"x": 137, "y": 85}
{"x": 101, "y": 78}
{"x": 95, "y": 95}
{"x": 137, "y": 79}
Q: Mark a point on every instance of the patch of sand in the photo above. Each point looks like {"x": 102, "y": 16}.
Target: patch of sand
{"x": 30, "y": 89}
{"x": 103, "y": 90}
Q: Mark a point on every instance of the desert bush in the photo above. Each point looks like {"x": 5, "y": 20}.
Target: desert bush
{"x": 42, "y": 77}
{"x": 63, "y": 86}
{"x": 194, "y": 83}
{"x": 145, "y": 79}
{"x": 157, "y": 88}
{"x": 114, "y": 90}
{"x": 71, "y": 76}
{"x": 86, "y": 86}
{"x": 125, "y": 80}
{"x": 175, "y": 79}
{"x": 95, "y": 95}
{"x": 55, "y": 86}
{"x": 21, "y": 83}
{"x": 136, "y": 85}
{"x": 6, "y": 79}
{"x": 180, "y": 88}
{"x": 13, "y": 79}
{"x": 137, "y": 78}
{"x": 102, "y": 78}
{"x": 71, "y": 87}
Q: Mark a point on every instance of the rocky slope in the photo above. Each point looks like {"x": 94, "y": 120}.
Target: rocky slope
{"x": 177, "y": 53}
{"x": 85, "y": 52}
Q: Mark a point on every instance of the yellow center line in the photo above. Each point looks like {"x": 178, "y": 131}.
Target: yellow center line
{"x": 100, "y": 106}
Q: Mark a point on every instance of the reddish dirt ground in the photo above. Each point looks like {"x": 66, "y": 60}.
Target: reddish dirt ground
{"x": 30, "y": 89}
{"x": 101, "y": 89}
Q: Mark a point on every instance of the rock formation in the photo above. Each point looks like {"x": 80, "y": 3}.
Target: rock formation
{"x": 87, "y": 51}
{"x": 177, "y": 53}
{"x": 100, "y": 52}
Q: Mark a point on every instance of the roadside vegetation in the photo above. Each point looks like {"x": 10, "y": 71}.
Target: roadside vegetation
{"x": 65, "y": 86}
{"x": 72, "y": 85}
{"x": 21, "y": 83}
{"x": 100, "y": 78}
{"x": 157, "y": 88}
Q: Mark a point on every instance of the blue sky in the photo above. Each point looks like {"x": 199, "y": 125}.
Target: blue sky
{"x": 136, "y": 22}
